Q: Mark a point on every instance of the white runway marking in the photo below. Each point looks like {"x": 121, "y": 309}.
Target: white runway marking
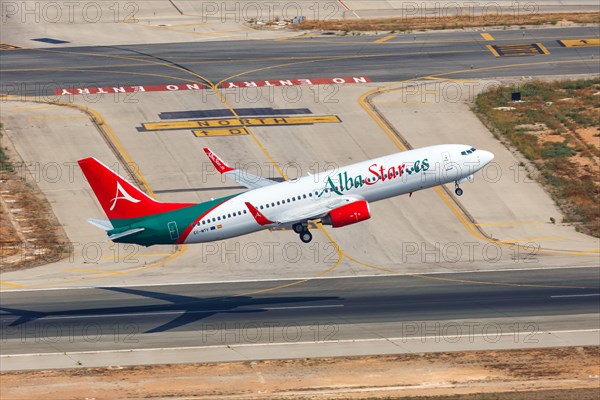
{"x": 576, "y": 295}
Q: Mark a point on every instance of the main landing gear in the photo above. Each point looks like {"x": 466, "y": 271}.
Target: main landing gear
{"x": 457, "y": 189}
{"x": 302, "y": 230}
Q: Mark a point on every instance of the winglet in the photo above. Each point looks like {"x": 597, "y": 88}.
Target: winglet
{"x": 217, "y": 162}
{"x": 258, "y": 216}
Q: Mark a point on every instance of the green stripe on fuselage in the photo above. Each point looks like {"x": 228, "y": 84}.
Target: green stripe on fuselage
{"x": 165, "y": 228}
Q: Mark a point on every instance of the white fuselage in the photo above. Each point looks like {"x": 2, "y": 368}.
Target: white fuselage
{"x": 371, "y": 180}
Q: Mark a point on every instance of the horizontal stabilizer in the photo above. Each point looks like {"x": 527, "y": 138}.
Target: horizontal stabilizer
{"x": 101, "y": 223}
{"x": 126, "y": 233}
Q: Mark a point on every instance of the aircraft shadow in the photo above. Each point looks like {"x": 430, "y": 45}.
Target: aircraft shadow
{"x": 192, "y": 308}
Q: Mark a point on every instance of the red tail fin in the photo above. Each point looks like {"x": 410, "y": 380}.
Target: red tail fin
{"x": 119, "y": 198}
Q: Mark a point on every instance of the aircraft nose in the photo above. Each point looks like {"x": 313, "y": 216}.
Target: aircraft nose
{"x": 486, "y": 156}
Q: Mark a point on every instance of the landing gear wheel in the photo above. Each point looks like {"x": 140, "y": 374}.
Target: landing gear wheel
{"x": 457, "y": 189}
{"x": 298, "y": 228}
{"x": 306, "y": 237}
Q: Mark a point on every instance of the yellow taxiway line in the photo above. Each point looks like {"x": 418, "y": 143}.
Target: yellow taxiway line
{"x": 14, "y": 285}
{"x": 33, "y": 108}
{"x": 384, "y": 39}
{"x": 402, "y": 102}
{"x": 59, "y": 118}
{"x": 533, "y": 240}
{"x": 511, "y": 223}
{"x": 241, "y": 122}
{"x": 493, "y": 50}
{"x": 580, "y": 42}
{"x": 543, "y": 48}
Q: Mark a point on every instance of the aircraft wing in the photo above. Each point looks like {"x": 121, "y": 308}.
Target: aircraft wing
{"x": 248, "y": 180}
{"x": 312, "y": 211}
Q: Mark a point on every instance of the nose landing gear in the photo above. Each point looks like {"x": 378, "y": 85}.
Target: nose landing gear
{"x": 457, "y": 189}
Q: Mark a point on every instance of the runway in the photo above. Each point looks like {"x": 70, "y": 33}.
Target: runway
{"x": 435, "y": 307}
{"x": 405, "y": 56}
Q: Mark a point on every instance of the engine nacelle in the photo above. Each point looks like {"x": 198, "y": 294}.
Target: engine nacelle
{"x": 347, "y": 215}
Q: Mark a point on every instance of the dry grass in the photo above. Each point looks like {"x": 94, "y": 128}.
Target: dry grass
{"x": 456, "y": 22}
{"x": 566, "y": 150}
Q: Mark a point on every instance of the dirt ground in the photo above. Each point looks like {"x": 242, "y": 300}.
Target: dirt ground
{"x": 30, "y": 234}
{"x": 562, "y": 373}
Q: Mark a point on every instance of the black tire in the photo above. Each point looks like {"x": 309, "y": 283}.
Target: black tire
{"x": 298, "y": 228}
{"x": 458, "y": 191}
{"x": 306, "y": 237}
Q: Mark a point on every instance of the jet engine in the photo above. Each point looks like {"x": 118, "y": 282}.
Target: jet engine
{"x": 347, "y": 215}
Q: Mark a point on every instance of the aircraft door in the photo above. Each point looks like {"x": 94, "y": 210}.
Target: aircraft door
{"x": 447, "y": 161}
{"x": 173, "y": 231}
{"x": 449, "y": 170}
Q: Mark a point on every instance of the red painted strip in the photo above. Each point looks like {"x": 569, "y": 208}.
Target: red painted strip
{"x": 187, "y": 231}
{"x": 181, "y": 87}
{"x": 296, "y": 82}
{"x": 129, "y": 89}
{"x": 344, "y": 5}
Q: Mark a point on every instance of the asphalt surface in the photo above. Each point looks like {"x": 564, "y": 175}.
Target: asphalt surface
{"x": 110, "y": 318}
{"x": 40, "y": 71}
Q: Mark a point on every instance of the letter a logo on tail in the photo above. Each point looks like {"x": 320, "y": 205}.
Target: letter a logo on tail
{"x": 122, "y": 194}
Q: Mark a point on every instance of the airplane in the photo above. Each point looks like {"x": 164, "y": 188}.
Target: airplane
{"x": 337, "y": 197}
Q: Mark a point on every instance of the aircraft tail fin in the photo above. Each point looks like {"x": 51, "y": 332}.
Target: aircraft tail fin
{"x": 119, "y": 199}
